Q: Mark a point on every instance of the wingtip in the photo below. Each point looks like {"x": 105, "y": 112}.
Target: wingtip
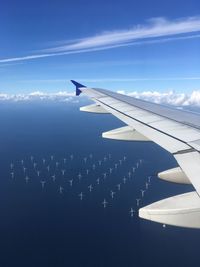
{"x": 78, "y": 86}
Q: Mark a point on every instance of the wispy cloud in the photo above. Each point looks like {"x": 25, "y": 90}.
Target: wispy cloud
{"x": 157, "y": 30}
{"x": 137, "y": 79}
{"x": 157, "y": 27}
{"x": 111, "y": 80}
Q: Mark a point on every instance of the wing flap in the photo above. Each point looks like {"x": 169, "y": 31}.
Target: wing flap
{"x": 181, "y": 210}
{"x": 190, "y": 164}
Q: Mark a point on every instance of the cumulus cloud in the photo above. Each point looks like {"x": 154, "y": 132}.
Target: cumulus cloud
{"x": 168, "y": 98}
{"x": 156, "y": 30}
{"x": 62, "y": 96}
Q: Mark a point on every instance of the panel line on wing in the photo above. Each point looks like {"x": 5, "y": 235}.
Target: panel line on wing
{"x": 146, "y": 124}
{"x": 152, "y": 106}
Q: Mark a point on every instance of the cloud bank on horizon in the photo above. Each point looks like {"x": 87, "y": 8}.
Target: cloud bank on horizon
{"x": 167, "y": 98}
{"x": 61, "y": 96}
{"x": 157, "y": 30}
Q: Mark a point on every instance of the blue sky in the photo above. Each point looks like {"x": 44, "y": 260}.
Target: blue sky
{"x": 121, "y": 45}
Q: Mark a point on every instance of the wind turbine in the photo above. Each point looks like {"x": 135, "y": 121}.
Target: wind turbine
{"x": 90, "y": 187}
{"x": 48, "y": 168}
{"x": 22, "y": 162}
{"x": 124, "y": 158}
{"x": 146, "y": 185}
{"x": 11, "y": 165}
{"x": 93, "y": 166}
{"x": 43, "y": 161}
{"x": 142, "y": 192}
{"x": 53, "y": 177}
{"x": 104, "y": 203}
{"x": 38, "y": 173}
{"x": 124, "y": 180}
{"x": 79, "y": 176}
{"x": 111, "y": 169}
{"x": 98, "y": 180}
{"x": 61, "y": 189}
{"x": 64, "y": 160}
{"x": 27, "y": 179}
{"x": 12, "y": 174}
{"x": 120, "y": 161}
{"x": 71, "y": 156}
{"x": 63, "y": 172}
{"x": 132, "y": 211}
{"x": 32, "y": 158}
{"x": 116, "y": 165}
{"x": 24, "y": 169}
{"x": 138, "y": 201}
{"x": 57, "y": 163}
{"x": 71, "y": 182}
{"x": 85, "y": 159}
{"x": 34, "y": 165}
{"x": 129, "y": 174}
{"x": 81, "y": 196}
{"x": 112, "y": 193}
{"x": 52, "y": 157}
{"x": 42, "y": 183}
{"x": 99, "y": 161}
{"x": 119, "y": 186}
{"x": 87, "y": 171}
{"x": 104, "y": 175}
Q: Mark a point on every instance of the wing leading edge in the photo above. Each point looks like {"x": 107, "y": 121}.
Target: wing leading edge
{"x": 177, "y": 131}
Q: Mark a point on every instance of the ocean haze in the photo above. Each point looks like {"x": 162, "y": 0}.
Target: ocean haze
{"x": 41, "y": 227}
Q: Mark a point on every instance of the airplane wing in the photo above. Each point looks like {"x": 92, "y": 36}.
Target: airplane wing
{"x": 176, "y": 130}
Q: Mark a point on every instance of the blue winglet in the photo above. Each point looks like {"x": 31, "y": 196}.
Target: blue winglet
{"x": 78, "y": 85}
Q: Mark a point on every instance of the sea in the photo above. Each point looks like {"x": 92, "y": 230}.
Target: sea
{"x": 66, "y": 194}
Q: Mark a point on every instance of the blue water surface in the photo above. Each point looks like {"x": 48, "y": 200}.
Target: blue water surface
{"x": 42, "y": 227}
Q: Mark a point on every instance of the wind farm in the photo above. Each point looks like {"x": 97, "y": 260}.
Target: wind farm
{"x": 61, "y": 172}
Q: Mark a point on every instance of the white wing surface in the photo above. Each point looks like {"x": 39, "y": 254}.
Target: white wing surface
{"x": 177, "y": 131}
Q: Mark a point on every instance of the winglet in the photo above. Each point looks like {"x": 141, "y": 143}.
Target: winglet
{"x": 78, "y": 85}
